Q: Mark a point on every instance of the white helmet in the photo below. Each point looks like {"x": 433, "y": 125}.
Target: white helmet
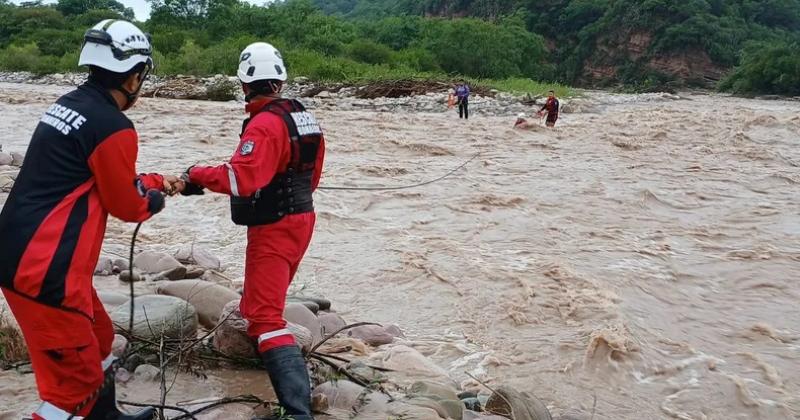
{"x": 115, "y": 45}
{"x": 261, "y": 61}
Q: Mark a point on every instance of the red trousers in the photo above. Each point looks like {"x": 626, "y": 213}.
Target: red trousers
{"x": 67, "y": 351}
{"x": 274, "y": 253}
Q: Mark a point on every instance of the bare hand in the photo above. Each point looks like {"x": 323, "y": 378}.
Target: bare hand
{"x": 173, "y": 185}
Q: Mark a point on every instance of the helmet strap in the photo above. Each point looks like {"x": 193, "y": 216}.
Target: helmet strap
{"x": 130, "y": 97}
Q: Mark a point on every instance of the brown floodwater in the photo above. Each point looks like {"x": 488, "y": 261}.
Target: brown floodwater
{"x": 640, "y": 261}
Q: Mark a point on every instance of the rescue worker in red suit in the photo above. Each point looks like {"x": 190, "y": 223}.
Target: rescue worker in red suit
{"x": 271, "y": 178}
{"x": 79, "y": 167}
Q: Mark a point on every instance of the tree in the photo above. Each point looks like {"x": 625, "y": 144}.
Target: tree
{"x": 78, "y": 7}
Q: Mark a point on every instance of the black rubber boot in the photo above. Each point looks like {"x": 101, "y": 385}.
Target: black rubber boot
{"x": 105, "y": 408}
{"x": 287, "y": 372}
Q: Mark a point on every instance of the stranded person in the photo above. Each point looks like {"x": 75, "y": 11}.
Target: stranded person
{"x": 550, "y": 108}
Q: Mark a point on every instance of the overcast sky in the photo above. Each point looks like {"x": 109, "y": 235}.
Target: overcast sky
{"x": 141, "y": 7}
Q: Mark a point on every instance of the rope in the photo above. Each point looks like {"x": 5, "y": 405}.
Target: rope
{"x": 401, "y": 187}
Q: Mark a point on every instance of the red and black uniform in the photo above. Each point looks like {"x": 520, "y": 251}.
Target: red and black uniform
{"x": 270, "y": 179}
{"x": 79, "y": 167}
{"x": 551, "y": 106}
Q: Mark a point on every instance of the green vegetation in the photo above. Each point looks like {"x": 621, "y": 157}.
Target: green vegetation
{"x": 642, "y": 44}
{"x": 767, "y": 68}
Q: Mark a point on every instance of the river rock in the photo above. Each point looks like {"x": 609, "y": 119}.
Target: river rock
{"x": 300, "y": 315}
{"x": 363, "y": 370}
{"x": 404, "y": 359}
{"x": 6, "y": 182}
{"x": 374, "y": 335}
{"x": 322, "y": 303}
{"x": 313, "y": 307}
{"x": 18, "y": 159}
{"x": 195, "y": 273}
{"x": 373, "y": 406}
{"x": 331, "y": 322}
{"x": 195, "y": 255}
{"x": 473, "y": 404}
{"x": 147, "y": 373}
{"x": 152, "y": 262}
{"x": 119, "y": 345}
{"x": 111, "y": 300}
{"x": 122, "y": 375}
{"x": 208, "y": 299}
{"x": 433, "y": 390}
{"x": 127, "y": 277}
{"x": 404, "y": 410}
{"x": 394, "y": 330}
{"x": 174, "y": 317}
{"x": 505, "y": 401}
{"x": 303, "y": 337}
{"x": 177, "y": 273}
{"x": 339, "y": 394}
{"x": 104, "y": 267}
{"x": 438, "y": 407}
{"x": 231, "y": 337}
{"x": 214, "y": 276}
{"x": 5, "y": 159}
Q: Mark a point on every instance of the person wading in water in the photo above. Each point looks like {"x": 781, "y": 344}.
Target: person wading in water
{"x": 552, "y": 107}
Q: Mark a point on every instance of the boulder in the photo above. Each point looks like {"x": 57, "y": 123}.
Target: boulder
{"x": 119, "y": 345}
{"x": 214, "y": 276}
{"x": 147, "y": 373}
{"x": 340, "y": 394}
{"x": 331, "y": 322}
{"x": 404, "y": 359}
{"x": 472, "y": 404}
{"x": 208, "y": 299}
{"x": 5, "y": 159}
{"x": 6, "y": 182}
{"x": 231, "y": 337}
{"x": 322, "y": 304}
{"x": 394, "y": 330}
{"x": 152, "y": 262}
{"x": 104, "y": 267}
{"x": 300, "y": 315}
{"x": 433, "y": 390}
{"x": 18, "y": 159}
{"x": 177, "y": 273}
{"x": 112, "y": 300}
{"x": 373, "y": 406}
{"x": 195, "y": 255}
{"x": 303, "y": 337}
{"x": 313, "y": 307}
{"x": 433, "y": 404}
{"x": 508, "y": 402}
{"x": 404, "y": 410}
{"x": 155, "y": 315}
{"x": 195, "y": 273}
{"x": 374, "y": 335}
{"x": 125, "y": 276}
{"x": 362, "y": 370}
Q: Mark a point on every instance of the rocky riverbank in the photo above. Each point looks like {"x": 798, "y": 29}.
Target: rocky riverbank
{"x": 429, "y": 97}
{"x": 368, "y": 371}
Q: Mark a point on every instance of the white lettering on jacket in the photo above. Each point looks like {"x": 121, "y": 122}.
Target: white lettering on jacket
{"x": 63, "y": 119}
{"x": 306, "y": 123}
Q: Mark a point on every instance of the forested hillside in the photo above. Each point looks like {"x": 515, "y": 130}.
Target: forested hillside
{"x": 641, "y": 43}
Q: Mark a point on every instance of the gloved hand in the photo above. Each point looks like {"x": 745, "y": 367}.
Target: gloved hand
{"x": 190, "y": 188}
{"x": 155, "y": 201}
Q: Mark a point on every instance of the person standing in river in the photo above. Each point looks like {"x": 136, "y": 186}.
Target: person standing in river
{"x": 462, "y": 98}
{"x": 551, "y": 106}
